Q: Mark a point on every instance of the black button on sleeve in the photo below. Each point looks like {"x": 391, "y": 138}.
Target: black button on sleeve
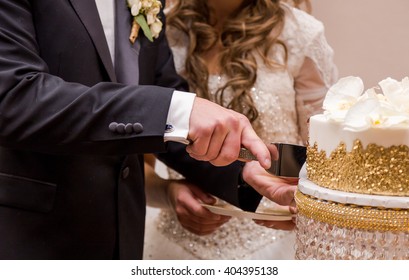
{"x": 112, "y": 126}
{"x": 120, "y": 128}
{"x": 137, "y": 128}
{"x": 128, "y": 128}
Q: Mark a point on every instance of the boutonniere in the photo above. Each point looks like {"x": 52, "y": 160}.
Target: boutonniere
{"x": 145, "y": 16}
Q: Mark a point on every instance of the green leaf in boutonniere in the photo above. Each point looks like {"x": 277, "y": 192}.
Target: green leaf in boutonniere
{"x": 140, "y": 19}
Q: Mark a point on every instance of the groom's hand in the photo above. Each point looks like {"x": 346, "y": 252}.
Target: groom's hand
{"x": 217, "y": 134}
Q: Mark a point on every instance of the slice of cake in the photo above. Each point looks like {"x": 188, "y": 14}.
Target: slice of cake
{"x": 353, "y": 195}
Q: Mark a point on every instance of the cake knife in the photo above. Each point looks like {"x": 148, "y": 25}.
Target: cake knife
{"x": 291, "y": 159}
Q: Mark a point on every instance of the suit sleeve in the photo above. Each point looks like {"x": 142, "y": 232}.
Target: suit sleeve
{"x": 40, "y": 111}
{"x": 222, "y": 182}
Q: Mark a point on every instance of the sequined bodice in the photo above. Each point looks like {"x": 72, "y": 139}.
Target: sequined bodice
{"x": 276, "y": 101}
{"x": 237, "y": 239}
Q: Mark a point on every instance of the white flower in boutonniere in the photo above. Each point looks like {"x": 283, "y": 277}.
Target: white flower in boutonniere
{"x": 145, "y": 16}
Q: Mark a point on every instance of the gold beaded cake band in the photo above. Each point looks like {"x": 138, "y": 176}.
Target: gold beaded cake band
{"x": 371, "y": 170}
{"x": 352, "y": 216}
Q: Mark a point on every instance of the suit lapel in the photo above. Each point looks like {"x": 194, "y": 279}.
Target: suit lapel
{"x": 88, "y": 13}
{"x": 126, "y": 54}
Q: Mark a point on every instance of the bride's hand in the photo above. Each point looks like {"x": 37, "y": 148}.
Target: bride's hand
{"x": 280, "y": 190}
{"x": 185, "y": 199}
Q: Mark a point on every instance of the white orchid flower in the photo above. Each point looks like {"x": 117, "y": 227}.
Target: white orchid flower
{"x": 373, "y": 110}
{"x": 397, "y": 93}
{"x": 345, "y": 103}
{"x": 342, "y": 96}
{"x": 364, "y": 114}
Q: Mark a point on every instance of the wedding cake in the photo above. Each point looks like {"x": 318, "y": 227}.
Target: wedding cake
{"x": 353, "y": 194}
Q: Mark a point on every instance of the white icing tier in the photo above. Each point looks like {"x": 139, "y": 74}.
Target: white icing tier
{"x": 329, "y": 134}
{"x": 307, "y": 187}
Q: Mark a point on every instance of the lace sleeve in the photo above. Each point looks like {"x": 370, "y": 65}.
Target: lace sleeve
{"x": 304, "y": 36}
{"x": 321, "y": 53}
{"x": 317, "y": 73}
{"x": 310, "y": 91}
{"x": 311, "y": 63}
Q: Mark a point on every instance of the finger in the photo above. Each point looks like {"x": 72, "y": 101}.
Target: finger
{"x": 224, "y": 145}
{"x": 214, "y": 153}
{"x": 198, "y": 217}
{"x": 292, "y": 205}
{"x": 198, "y": 147}
{"x": 274, "y": 188}
{"x": 200, "y": 131}
{"x": 282, "y": 194}
{"x": 217, "y": 145}
{"x": 201, "y": 195}
{"x": 187, "y": 206}
{"x": 273, "y": 151}
{"x": 187, "y": 203}
{"x": 293, "y": 209}
{"x": 229, "y": 151}
{"x": 187, "y": 218}
{"x": 200, "y": 224}
{"x": 253, "y": 143}
{"x": 196, "y": 211}
{"x": 290, "y": 180}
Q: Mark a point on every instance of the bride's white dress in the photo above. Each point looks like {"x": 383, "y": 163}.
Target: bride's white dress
{"x": 285, "y": 98}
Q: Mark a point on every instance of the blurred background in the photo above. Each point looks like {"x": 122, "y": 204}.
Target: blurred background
{"x": 370, "y": 37}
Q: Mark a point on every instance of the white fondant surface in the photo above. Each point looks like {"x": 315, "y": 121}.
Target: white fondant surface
{"x": 329, "y": 134}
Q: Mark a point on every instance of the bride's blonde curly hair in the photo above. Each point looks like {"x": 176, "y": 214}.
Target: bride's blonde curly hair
{"x": 253, "y": 29}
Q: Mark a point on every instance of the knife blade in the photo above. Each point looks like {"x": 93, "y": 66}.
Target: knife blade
{"x": 291, "y": 159}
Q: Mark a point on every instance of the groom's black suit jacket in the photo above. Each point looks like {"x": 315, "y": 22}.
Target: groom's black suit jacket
{"x": 71, "y": 188}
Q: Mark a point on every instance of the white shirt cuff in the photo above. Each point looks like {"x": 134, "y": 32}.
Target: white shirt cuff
{"x": 177, "y": 123}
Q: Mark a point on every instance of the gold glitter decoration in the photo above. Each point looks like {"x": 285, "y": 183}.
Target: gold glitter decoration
{"x": 374, "y": 170}
{"x": 352, "y": 216}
